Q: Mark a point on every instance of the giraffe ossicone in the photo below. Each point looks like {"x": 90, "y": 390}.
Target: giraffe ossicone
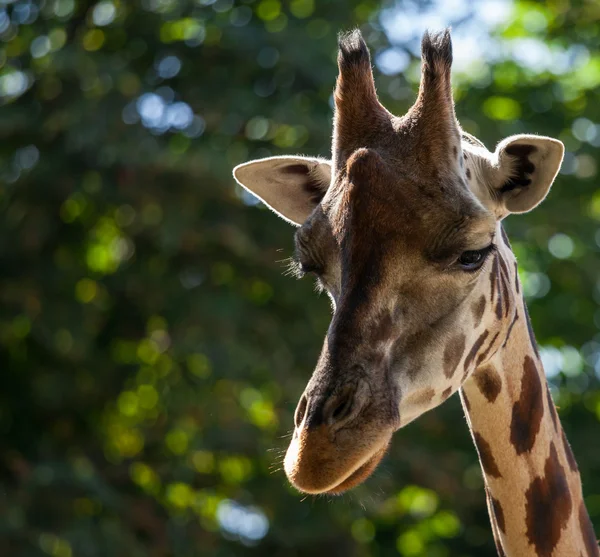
{"x": 402, "y": 228}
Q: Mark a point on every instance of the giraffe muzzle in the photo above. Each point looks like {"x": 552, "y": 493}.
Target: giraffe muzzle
{"x": 338, "y": 441}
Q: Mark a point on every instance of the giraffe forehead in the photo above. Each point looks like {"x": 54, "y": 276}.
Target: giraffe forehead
{"x": 429, "y": 214}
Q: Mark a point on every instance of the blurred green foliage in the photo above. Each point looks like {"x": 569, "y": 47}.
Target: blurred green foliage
{"x": 152, "y": 351}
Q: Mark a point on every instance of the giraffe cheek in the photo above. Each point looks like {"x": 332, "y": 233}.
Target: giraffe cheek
{"x": 416, "y": 403}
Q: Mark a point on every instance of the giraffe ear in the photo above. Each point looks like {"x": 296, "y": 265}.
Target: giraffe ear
{"x": 526, "y": 166}
{"x": 291, "y": 186}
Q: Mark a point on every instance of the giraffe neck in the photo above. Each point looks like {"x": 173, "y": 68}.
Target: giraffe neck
{"x": 531, "y": 476}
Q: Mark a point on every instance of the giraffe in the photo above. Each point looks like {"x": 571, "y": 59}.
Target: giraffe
{"x": 403, "y": 229}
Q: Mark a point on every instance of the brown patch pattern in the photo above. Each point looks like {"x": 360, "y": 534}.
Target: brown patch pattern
{"x": 474, "y": 350}
{"x": 453, "y": 353}
{"x": 423, "y": 396}
{"x": 589, "y": 537}
{"x": 517, "y": 278}
{"x": 500, "y": 278}
{"x": 466, "y": 400}
{"x": 530, "y": 330}
{"x": 494, "y": 277}
{"x": 446, "y": 393}
{"x": 482, "y": 357}
{"x": 510, "y": 328}
{"x": 551, "y": 408}
{"x": 503, "y": 305}
{"x": 548, "y": 506}
{"x": 489, "y": 382}
{"x": 499, "y": 514}
{"x": 528, "y": 410}
{"x": 494, "y": 521}
{"x": 488, "y": 462}
{"x": 570, "y": 456}
{"x": 478, "y": 309}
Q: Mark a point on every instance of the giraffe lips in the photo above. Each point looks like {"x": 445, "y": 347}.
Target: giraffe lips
{"x": 316, "y": 463}
{"x": 360, "y": 474}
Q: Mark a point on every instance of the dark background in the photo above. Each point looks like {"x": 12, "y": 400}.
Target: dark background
{"x": 151, "y": 349}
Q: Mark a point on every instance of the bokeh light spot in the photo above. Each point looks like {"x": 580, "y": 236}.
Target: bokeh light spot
{"x": 177, "y": 441}
{"x": 268, "y": 10}
{"x": 501, "y": 108}
{"x": 104, "y": 13}
{"x": 363, "y": 530}
{"x": 93, "y": 40}
{"x": 249, "y": 524}
{"x": 86, "y": 290}
{"x": 561, "y": 246}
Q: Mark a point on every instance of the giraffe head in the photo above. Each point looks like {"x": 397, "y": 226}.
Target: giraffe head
{"x": 401, "y": 228}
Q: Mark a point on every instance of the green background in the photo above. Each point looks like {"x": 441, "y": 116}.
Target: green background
{"x": 151, "y": 349}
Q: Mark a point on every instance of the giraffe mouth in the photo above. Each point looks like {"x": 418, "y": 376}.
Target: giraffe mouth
{"x": 317, "y": 464}
{"x": 360, "y": 474}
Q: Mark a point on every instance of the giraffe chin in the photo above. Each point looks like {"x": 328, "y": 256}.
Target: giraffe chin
{"x": 315, "y": 465}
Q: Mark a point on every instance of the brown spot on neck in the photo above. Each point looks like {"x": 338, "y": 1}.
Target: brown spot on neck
{"x": 446, "y": 393}
{"x": 488, "y": 462}
{"x": 474, "y": 350}
{"x": 548, "y": 506}
{"x": 528, "y": 410}
{"x": 492, "y": 504}
{"x": 465, "y": 399}
{"x": 530, "y": 330}
{"x": 494, "y": 276}
{"x": 551, "y": 408}
{"x": 570, "y": 456}
{"x": 489, "y": 382}
{"x": 510, "y": 328}
{"x": 504, "y": 278}
{"x": 483, "y": 355}
{"x": 453, "y": 354}
{"x": 499, "y": 514}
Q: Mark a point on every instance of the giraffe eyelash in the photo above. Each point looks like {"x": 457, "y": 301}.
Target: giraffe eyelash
{"x": 293, "y": 268}
{"x": 298, "y": 269}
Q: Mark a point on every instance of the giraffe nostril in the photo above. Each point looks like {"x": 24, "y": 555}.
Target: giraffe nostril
{"x": 341, "y": 408}
{"x": 300, "y": 411}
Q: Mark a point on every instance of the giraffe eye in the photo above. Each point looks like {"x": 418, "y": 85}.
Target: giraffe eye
{"x": 473, "y": 259}
{"x": 306, "y": 268}
{"x": 299, "y": 268}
